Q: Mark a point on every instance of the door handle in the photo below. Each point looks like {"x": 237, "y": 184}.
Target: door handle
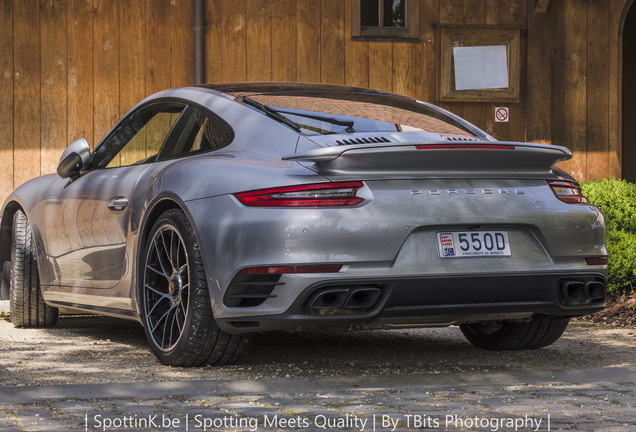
{"x": 118, "y": 203}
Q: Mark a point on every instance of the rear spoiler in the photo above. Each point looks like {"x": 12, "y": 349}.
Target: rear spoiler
{"x": 437, "y": 159}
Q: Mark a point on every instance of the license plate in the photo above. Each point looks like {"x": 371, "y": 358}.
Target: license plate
{"x": 457, "y": 244}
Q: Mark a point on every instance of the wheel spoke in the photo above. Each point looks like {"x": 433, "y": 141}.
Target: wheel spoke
{"x": 159, "y": 272}
{"x": 158, "y": 253}
{"x": 166, "y": 249}
{"x": 156, "y": 291}
{"x": 153, "y": 307}
{"x": 174, "y": 315}
{"x": 174, "y": 261}
{"x": 177, "y": 320}
{"x": 161, "y": 298}
{"x": 165, "y": 327}
{"x": 184, "y": 304}
{"x": 178, "y": 317}
{"x": 178, "y": 267}
{"x": 162, "y": 318}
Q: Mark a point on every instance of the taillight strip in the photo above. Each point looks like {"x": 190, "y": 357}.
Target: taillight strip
{"x": 311, "y": 195}
{"x": 567, "y": 191}
{"x": 308, "y": 268}
{"x": 465, "y": 147}
{"x": 602, "y": 260}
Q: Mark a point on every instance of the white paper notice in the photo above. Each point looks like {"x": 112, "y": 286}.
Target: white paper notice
{"x": 481, "y": 67}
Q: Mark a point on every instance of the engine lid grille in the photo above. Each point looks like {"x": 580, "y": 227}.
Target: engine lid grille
{"x": 364, "y": 140}
{"x": 459, "y": 138}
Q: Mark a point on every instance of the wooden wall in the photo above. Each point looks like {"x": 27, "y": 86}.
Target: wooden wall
{"x": 573, "y": 85}
{"x": 309, "y": 40}
{"x": 71, "y": 68}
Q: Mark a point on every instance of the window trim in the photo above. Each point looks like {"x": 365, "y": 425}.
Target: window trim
{"x": 163, "y": 156}
{"x": 174, "y": 100}
{"x": 410, "y": 32}
{"x": 125, "y": 118}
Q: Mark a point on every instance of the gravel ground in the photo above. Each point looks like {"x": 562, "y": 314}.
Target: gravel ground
{"x": 91, "y": 349}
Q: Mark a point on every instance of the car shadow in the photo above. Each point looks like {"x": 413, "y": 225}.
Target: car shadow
{"x": 101, "y": 349}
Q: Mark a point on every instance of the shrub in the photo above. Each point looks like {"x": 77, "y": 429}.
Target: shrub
{"x": 617, "y": 201}
{"x": 621, "y": 248}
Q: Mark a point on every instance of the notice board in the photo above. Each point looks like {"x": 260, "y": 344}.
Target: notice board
{"x": 479, "y": 64}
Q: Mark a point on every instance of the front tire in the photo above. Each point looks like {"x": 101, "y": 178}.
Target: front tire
{"x": 506, "y": 336}
{"x": 175, "y": 302}
{"x": 5, "y": 285}
{"x": 25, "y": 297}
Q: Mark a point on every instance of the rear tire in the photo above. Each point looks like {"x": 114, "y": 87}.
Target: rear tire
{"x": 175, "y": 301}
{"x": 507, "y": 336}
{"x": 25, "y": 298}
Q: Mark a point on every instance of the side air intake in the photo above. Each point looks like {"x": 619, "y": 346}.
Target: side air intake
{"x": 249, "y": 290}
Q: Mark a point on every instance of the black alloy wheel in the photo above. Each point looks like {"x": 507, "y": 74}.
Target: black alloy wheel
{"x": 175, "y": 301}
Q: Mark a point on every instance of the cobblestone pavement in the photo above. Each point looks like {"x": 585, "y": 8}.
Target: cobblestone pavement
{"x": 601, "y": 399}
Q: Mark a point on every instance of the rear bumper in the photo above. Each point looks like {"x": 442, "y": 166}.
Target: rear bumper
{"x": 433, "y": 301}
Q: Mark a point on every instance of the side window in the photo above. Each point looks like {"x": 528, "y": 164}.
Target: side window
{"x": 198, "y": 131}
{"x": 139, "y": 137}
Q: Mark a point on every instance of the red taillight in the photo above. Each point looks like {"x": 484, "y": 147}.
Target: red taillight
{"x": 567, "y": 191}
{"x": 310, "y": 268}
{"x": 596, "y": 260}
{"x": 312, "y": 195}
{"x": 465, "y": 147}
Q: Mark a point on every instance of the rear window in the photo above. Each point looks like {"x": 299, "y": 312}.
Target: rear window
{"x": 329, "y": 114}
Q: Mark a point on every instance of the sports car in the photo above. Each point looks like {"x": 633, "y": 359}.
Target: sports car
{"x": 213, "y": 213}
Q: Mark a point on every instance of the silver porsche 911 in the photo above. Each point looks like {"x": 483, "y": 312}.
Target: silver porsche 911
{"x": 213, "y": 213}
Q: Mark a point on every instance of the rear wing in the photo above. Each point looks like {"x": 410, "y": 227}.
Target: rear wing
{"x": 437, "y": 159}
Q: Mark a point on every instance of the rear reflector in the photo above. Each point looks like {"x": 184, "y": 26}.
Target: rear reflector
{"x": 465, "y": 147}
{"x": 315, "y": 268}
{"x": 567, "y": 191}
{"x": 596, "y": 260}
{"x": 312, "y": 195}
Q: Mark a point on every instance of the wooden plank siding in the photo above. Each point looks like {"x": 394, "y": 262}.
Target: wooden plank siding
{"x": 574, "y": 86}
{"x": 79, "y": 82}
{"x": 6, "y": 98}
{"x": 308, "y": 41}
{"x": 259, "y": 40}
{"x": 53, "y": 93}
{"x": 615, "y": 82}
{"x": 597, "y": 90}
{"x": 539, "y": 83}
{"x": 26, "y": 91}
{"x": 106, "y": 79}
{"x": 71, "y": 68}
{"x": 284, "y": 41}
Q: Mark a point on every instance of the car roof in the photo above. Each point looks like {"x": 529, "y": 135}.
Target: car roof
{"x": 305, "y": 89}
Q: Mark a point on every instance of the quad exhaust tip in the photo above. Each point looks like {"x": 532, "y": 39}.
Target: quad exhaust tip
{"x": 345, "y": 299}
{"x": 579, "y": 292}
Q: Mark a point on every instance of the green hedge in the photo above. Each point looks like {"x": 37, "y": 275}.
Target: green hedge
{"x": 617, "y": 201}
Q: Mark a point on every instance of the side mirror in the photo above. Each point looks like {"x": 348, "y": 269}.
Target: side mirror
{"x": 75, "y": 158}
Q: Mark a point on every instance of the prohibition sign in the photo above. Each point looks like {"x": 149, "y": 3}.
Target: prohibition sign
{"x": 501, "y": 114}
